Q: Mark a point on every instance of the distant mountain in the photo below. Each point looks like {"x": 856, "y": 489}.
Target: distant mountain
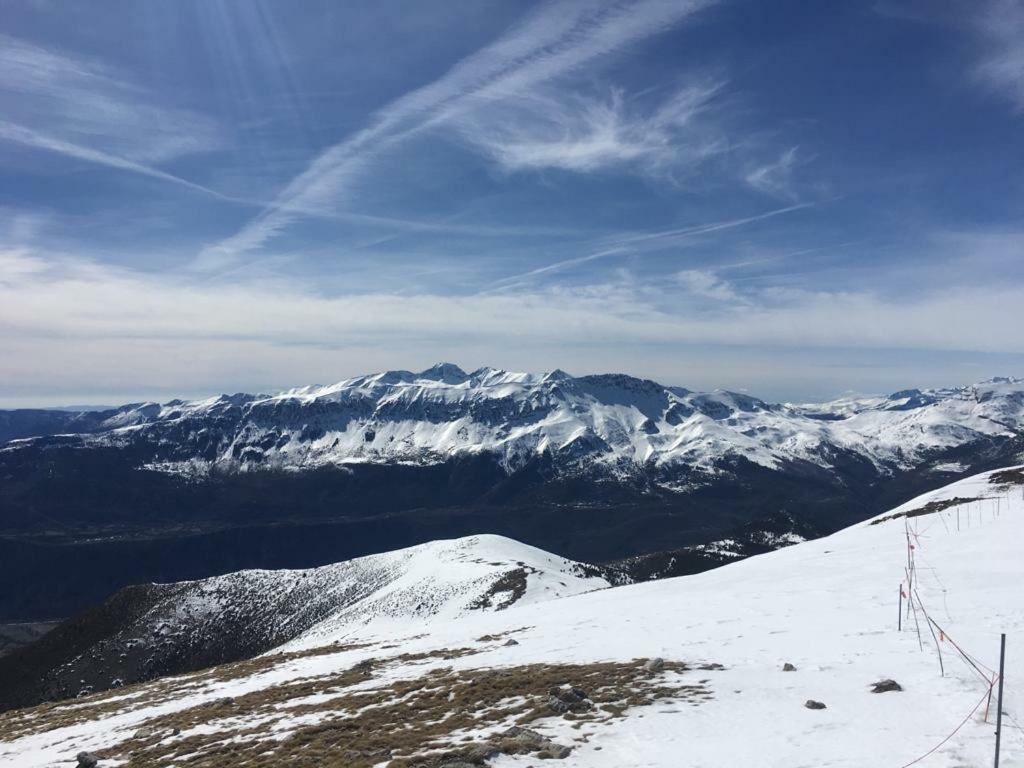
{"x": 613, "y": 424}
{"x": 597, "y": 468}
{"x": 154, "y": 630}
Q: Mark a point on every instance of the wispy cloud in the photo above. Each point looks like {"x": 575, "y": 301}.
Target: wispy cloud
{"x": 80, "y": 108}
{"x": 636, "y": 242}
{"x": 20, "y": 134}
{"x": 776, "y": 178}
{"x": 1001, "y": 66}
{"x": 577, "y": 133}
{"x": 553, "y": 41}
{"x": 702, "y": 282}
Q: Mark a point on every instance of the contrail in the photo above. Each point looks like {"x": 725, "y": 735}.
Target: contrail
{"x": 622, "y": 245}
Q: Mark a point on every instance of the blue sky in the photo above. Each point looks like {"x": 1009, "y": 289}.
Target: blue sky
{"x": 796, "y": 199}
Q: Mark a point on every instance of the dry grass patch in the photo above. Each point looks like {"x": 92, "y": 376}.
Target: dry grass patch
{"x": 1007, "y": 477}
{"x": 1002, "y": 480}
{"x": 47, "y": 717}
{"x": 928, "y": 509}
{"x": 439, "y": 717}
{"x": 512, "y": 583}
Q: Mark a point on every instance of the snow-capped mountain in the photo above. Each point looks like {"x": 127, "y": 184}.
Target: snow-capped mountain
{"x": 596, "y": 468}
{"x": 789, "y": 658}
{"x": 153, "y": 630}
{"x": 612, "y": 422}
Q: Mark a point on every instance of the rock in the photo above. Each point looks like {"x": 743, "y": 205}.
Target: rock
{"x": 511, "y": 641}
{"x": 568, "y": 699}
{"x": 812, "y": 704}
{"x": 787, "y": 667}
{"x": 574, "y": 695}
{"x": 526, "y": 736}
{"x": 883, "y": 686}
{"x": 530, "y": 741}
{"x": 557, "y": 706}
{"x": 654, "y": 665}
{"x": 87, "y": 760}
{"x": 484, "y": 751}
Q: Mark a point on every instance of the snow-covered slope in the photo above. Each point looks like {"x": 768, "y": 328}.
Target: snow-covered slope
{"x": 615, "y": 422}
{"x": 158, "y": 629}
{"x": 395, "y": 692}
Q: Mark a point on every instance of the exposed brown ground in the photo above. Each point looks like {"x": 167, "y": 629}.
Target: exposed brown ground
{"x": 354, "y": 718}
{"x": 419, "y": 721}
{"x": 48, "y": 717}
{"x": 1008, "y": 477}
{"x": 929, "y": 509}
{"x": 1002, "y": 481}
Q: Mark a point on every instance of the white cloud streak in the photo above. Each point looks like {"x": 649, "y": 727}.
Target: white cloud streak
{"x": 1001, "y": 66}
{"x": 632, "y": 244}
{"x": 776, "y": 178}
{"x": 78, "y": 108}
{"x": 20, "y": 134}
{"x": 575, "y": 133}
{"x": 82, "y": 102}
{"x": 556, "y": 40}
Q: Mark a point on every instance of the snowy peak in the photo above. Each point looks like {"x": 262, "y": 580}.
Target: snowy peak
{"x": 448, "y": 373}
{"x": 445, "y": 580}
{"x": 159, "y": 629}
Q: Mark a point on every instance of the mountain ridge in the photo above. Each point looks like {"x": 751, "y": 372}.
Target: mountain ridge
{"x": 147, "y": 631}
{"x": 606, "y": 422}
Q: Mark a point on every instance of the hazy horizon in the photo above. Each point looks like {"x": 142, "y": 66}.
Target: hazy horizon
{"x": 56, "y": 402}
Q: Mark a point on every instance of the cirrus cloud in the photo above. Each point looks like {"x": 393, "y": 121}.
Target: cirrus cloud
{"x": 578, "y": 133}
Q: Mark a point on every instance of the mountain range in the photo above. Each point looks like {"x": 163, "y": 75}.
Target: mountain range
{"x": 612, "y": 424}
{"x": 601, "y": 468}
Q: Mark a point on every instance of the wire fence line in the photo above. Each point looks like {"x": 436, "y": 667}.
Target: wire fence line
{"x": 988, "y": 677}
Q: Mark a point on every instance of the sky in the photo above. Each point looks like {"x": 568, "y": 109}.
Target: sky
{"x": 792, "y": 199}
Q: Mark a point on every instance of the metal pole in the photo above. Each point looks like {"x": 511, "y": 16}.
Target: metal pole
{"x": 999, "y": 700}
{"x": 899, "y": 618}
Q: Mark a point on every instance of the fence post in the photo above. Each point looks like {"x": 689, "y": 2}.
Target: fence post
{"x": 999, "y": 699}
